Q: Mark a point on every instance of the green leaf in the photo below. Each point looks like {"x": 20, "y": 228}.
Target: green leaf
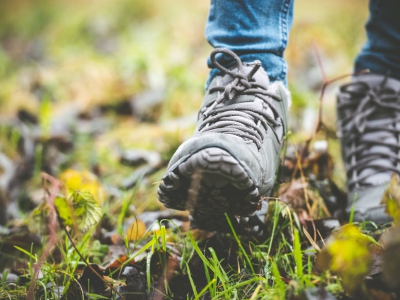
{"x": 86, "y": 210}
{"x": 79, "y": 210}
{"x": 65, "y": 211}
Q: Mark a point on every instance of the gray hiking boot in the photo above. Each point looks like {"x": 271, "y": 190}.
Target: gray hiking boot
{"x": 230, "y": 162}
{"x": 369, "y": 126}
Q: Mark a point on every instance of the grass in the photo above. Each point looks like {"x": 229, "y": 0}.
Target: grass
{"x": 258, "y": 274}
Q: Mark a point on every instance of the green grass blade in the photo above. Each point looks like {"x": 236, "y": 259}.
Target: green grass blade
{"x": 298, "y": 257}
{"x": 26, "y": 252}
{"x": 239, "y": 244}
{"x": 163, "y": 238}
{"x": 219, "y": 271}
{"x": 238, "y": 285}
{"x": 211, "y": 282}
{"x": 199, "y": 253}
{"x": 193, "y": 285}
{"x": 351, "y": 217}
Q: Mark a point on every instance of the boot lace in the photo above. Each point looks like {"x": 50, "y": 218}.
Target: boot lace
{"x": 375, "y": 122}
{"x": 245, "y": 120}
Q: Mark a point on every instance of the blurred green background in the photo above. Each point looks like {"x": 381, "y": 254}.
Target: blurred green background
{"x": 66, "y": 58}
{"x": 88, "y": 52}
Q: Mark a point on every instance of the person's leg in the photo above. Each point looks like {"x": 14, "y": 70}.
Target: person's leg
{"x": 368, "y": 115}
{"x": 381, "y": 52}
{"x": 254, "y": 30}
{"x": 229, "y": 165}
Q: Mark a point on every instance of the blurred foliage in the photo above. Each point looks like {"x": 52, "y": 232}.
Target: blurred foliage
{"x": 391, "y": 198}
{"x": 347, "y": 254}
{"x": 88, "y": 52}
{"x": 63, "y": 60}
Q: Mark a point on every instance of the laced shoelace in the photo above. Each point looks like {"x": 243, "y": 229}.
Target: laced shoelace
{"x": 241, "y": 119}
{"x": 368, "y": 103}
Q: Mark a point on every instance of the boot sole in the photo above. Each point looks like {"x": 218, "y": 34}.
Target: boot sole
{"x": 210, "y": 183}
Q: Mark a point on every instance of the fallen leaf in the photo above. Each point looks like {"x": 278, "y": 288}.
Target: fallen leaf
{"x": 84, "y": 181}
{"x": 380, "y": 295}
{"x": 348, "y": 255}
{"x": 136, "y": 230}
{"x": 391, "y": 198}
{"x": 391, "y": 256}
{"x": 117, "y": 263}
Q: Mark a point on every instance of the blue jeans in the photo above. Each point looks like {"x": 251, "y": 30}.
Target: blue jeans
{"x": 381, "y": 52}
{"x": 256, "y": 29}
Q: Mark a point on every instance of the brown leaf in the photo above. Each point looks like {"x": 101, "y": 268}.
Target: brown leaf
{"x": 376, "y": 254}
{"x": 391, "y": 256}
{"x": 117, "y": 263}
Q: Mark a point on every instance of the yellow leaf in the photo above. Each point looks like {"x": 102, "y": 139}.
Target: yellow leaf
{"x": 85, "y": 182}
{"x": 391, "y": 198}
{"x": 347, "y": 254}
{"x": 136, "y": 230}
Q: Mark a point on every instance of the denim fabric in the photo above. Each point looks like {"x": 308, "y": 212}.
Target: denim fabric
{"x": 381, "y": 52}
{"x": 254, "y": 30}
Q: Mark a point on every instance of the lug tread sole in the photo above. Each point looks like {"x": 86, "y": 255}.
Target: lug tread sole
{"x": 209, "y": 184}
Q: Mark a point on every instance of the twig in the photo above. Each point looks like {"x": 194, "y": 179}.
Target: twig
{"x": 318, "y": 123}
{"x": 165, "y": 278}
{"x": 319, "y": 60}
{"x": 55, "y": 187}
{"x": 311, "y": 240}
{"x": 303, "y": 179}
{"x": 325, "y": 83}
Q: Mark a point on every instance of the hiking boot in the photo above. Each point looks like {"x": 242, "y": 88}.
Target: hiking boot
{"x": 369, "y": 127}
{"x": 230, "y": 162}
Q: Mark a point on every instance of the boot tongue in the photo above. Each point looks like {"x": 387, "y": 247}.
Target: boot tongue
{"x": 260, "y": 76}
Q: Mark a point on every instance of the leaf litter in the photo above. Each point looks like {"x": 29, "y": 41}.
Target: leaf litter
{"x": 154, "y": 255}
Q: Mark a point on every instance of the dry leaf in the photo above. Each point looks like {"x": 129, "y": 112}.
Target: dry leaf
{"x": 391, "y": 256}
{"x": 136, "y": 230}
